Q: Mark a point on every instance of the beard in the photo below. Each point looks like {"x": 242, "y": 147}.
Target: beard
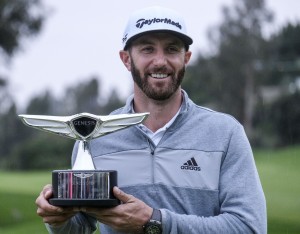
{"x": 157, "y": 93}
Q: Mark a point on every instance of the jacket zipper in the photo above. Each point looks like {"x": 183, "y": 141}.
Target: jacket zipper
{"x": 152, "y": 152}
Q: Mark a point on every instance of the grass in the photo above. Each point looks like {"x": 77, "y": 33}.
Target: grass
{"x": 18, "y": 191}
{"x": 278, "y": 171}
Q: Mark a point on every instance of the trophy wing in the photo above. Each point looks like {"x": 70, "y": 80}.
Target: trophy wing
{"x": 112, "y": 123}
{"x": 54, "y": 124}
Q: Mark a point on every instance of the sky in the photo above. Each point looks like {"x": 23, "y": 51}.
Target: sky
{"x": 81, "y": 39}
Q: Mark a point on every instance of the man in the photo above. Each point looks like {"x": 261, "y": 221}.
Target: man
{"x": 187, "y": 169}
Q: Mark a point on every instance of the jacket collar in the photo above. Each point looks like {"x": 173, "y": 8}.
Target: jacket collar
{"x": 184, "y": 106}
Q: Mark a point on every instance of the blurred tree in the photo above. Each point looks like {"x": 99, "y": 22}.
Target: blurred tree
{"x": 10, "y": 129}
{"x": 18, "y": 19}
{"x": 86, "y": 97}
{"x": 114, "y": 102}
{"x": 43, "y": 151}
{"x": 278, "y": 112}
{"x": 41, "y": 105}
{"x": 6, "y": 100}
{"x": 39, "y": 150}
{"x": 231, "y": 76}
{"x": 287, "y": 42}
{"x": 82, "y": 97}
{"x": 285, "y": 114}
{"x": 284, "y": 55}
{"x": 279, "y": 121}
{"x": 22, "y": 147}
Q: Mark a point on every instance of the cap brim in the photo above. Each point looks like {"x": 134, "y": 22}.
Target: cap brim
{"x": 186, "y": 39}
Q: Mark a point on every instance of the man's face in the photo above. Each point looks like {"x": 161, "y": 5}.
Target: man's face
{"x": 157, "y": 64}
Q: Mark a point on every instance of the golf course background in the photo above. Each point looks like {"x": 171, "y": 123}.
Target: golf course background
{"x": 278, "y": 169}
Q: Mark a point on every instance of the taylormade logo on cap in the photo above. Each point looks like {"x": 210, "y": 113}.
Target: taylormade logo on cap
{"x": 141, "y": 22}
{"x": 155, "y": 19}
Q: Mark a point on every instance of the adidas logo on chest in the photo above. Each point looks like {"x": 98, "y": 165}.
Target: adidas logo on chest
{"x": 191, "y": 165}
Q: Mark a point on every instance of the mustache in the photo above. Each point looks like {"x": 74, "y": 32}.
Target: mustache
{"x": 159, "y": 70}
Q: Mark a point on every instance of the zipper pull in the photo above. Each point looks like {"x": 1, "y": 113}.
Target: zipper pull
{"x": 150, "y": 147}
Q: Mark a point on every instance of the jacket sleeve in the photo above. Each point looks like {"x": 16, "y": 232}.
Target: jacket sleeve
{"x": 241, "y": 198}
{"x": 79, "y": 224}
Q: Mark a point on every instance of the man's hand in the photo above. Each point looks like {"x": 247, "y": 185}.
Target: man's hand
{"x": 52, "y": 215}
{"x": 130, "y": 216}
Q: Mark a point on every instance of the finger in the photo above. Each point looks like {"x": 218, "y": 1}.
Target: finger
{"x": 57, "y": 220}
{"x": 47, "y": 191}
{"x": 54, "y": 213}
{"x": 79, "y": 208}
{"x": 122, "y": 196}
{"x": 43, "y": 204}
{"x": 48, "y": 211}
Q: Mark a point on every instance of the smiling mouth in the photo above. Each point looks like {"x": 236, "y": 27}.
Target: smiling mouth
{"x": 159, "y": 75}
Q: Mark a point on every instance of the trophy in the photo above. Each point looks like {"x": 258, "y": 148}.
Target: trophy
{"x": 83, "y": 185}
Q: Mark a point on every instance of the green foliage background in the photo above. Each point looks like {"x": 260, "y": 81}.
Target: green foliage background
{"x": 278, "y": 171}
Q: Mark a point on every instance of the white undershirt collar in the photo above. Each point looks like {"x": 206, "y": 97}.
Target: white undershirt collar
{"x": 158, "y": 134}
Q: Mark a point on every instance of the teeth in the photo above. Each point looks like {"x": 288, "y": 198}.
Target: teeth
{"x": 159, "y": 75}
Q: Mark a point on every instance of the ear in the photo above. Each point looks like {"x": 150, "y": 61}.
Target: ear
{"x": 124, "y": 56}
{"x": 187, "y": 57}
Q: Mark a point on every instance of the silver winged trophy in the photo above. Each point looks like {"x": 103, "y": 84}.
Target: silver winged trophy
{"x": 83, "y": 185}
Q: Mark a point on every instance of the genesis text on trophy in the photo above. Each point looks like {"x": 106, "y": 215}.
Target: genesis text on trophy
{"x": 83, "y": 185}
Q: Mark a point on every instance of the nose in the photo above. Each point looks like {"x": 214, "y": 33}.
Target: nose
{"x": 160, "y": 58}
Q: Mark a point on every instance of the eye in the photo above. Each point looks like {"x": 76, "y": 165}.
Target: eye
{"x": 173, "y": 49}
{"x": 147, "y": 49}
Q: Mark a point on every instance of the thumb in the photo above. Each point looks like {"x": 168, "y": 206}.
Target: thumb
{"x": 122, "y": 196}
{"x": 47, "y": 191}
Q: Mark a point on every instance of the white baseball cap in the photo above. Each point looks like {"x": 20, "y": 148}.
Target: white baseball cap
{"x": 155, "y": 19}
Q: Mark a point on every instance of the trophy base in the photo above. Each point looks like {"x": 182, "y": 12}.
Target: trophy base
{"x": 86, "y": 202}
{"x": 84, "y": 188}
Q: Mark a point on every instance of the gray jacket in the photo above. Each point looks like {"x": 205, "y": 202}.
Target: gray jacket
{"x": 201, "y": 175}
